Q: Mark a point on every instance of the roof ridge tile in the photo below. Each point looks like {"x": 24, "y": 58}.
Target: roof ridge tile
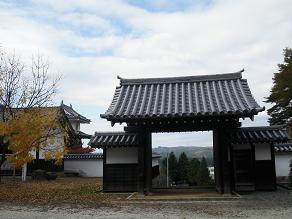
{"x": 182, "y": 79}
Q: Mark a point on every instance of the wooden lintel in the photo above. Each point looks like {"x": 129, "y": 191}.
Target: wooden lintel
{"x": 181, "y": 126}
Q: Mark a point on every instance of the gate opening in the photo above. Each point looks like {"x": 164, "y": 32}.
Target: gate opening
{"x": 183, "y": 160}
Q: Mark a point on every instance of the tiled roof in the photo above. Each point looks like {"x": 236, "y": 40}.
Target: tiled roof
{"x": 82, "y": 156}
{"x": 285, "y": 147}
{"x": 81, "y": 134}
{"x": 73, "y": 115}
{"x": 210, "y": 95}
{"x": 94, "y": 156}
{"x": 156, "y": 155}
{"x": 265, "y": 134}
{"x": 113, "y": 139}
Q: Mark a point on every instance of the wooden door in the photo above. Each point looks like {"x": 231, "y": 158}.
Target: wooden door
{"x": 243, "y": 166}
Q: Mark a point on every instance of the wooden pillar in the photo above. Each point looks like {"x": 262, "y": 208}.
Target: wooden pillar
{"x": 148, "y": 163}
{"x": 141, "y": 162}
{"x": 37, "y": 160}
{"x": 217, "y": 162}
{"x": 273, "y": 170}
{"x": 145, "y": 163}
{"x": 104, "y": 173}
{"x": 225, "y": 155}
{"x": 222, "y": 167}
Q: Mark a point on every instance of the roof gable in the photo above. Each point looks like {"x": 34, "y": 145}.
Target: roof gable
{"x": 73, "y": 115}
{"x": 207, "y": 95}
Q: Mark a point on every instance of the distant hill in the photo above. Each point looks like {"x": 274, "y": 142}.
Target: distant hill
{"x": 191, "y": 152}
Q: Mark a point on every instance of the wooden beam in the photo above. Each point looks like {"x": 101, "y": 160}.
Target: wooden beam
{"x": 181, "y": 126}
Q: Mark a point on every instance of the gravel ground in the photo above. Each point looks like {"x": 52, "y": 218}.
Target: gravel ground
{"x": 257, "y": 205}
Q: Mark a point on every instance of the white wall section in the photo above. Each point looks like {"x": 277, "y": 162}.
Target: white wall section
{"x": 282, "y": 164}
{"x": 85, "y": 167}
{"x": 122, "y": 155}
{"x": 262, "y": 151}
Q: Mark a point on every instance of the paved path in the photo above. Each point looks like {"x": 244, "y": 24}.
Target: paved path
{"x": 258, "y": 205}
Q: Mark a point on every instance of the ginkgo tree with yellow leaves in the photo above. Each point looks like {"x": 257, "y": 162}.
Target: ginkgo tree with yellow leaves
{"x": 35, "y": 129}
{"x": 27, "y": 123}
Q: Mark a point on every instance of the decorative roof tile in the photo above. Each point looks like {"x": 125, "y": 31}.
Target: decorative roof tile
{"x": 265, "y": 134}
{"x": 113, "y": 139}
{"x": 83, "y": 156}
{"x": 209, "y": 95}
{"x": 283, "y": 148}
{"x": 81, "y": 134}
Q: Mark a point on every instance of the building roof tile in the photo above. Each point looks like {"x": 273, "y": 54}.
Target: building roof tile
{"x": 265, "y": 134}
{"x": 73, "y": 115}
{"x": 83, "y": 156}
{"x": 81, "y": 134}
{"x": 283, "y": 148}
{"x": 209, "y": 95}
{"x": 113, "y": 139}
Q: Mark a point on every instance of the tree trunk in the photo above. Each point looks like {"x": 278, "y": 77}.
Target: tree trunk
{"x": 23, "y": 173}
{"x": 14, "y": 173}
{"x": 3, "y": 158}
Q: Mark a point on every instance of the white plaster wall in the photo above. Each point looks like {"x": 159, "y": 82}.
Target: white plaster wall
{"x": 86, "y": 167}
{"x": 282, "y": 164}
{"x": 262, "y": 151}
{"x": 58, "y": 144}
{"x": 155, "y": 161}
{"x": 75, "y": 125}
{"x": 7, "y": 165}
{"x": 122, "y": 155}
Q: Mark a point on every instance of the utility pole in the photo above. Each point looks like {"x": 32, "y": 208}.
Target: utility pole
{"x": 167, "y": 170}
{"x": 24, "y": 172}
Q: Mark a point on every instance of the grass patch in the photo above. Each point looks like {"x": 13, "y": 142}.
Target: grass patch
{"x": 68, "y": 190}
{"x": 88, "y": 190}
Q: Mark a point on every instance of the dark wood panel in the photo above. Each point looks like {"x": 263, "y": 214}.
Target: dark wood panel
{"x": 265, "y": 175}
{"x": 155, "y": 171}
{"x": 47, "y": 165}
{"x": 243, "y": 165}
{"x": 120, "y": 177}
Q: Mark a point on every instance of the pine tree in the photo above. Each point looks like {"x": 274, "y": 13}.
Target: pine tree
{"x": 193, "y": 170}
{"x": 172, "y": 167}
{"x": 281, "y": 92}
{"x": 183, "y": 166}
{"x": 203, "y": 173}
{"x": 163, "y": 167}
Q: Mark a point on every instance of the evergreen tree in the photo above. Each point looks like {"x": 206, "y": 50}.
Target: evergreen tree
{"x": 193, "y": 170}
{"x": 290, "y": 173}
{"x": 163, "y": 167}
{"x": 281, "y": 92}
{"x": 203, "y": 173}
{"x": 172, "y": 167}
{"x": 183, "y": 166}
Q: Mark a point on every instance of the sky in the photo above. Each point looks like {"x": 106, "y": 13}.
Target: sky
{"x": 91, "y": 42}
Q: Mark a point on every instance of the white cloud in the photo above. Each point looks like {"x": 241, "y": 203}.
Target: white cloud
{"x": 91, "y": 42}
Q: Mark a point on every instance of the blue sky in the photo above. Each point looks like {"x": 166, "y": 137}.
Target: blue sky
{"x": 170, "y": 6}
{"x": 90, "y": 42}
